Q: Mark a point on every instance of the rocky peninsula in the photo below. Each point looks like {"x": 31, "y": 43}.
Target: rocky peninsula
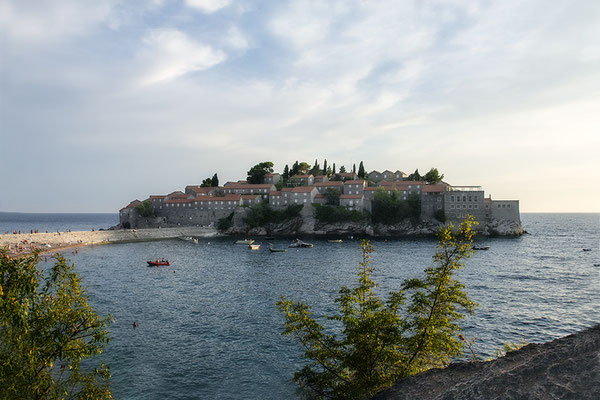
{"x": 566, "y": 368}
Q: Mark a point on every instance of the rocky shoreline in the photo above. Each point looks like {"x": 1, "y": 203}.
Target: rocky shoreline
{"x": 306, "y": 224}
{"x": 565, "y": 368}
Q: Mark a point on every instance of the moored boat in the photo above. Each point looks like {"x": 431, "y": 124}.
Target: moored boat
{"x": 481, "y": 247}
{"x": 254, "y": 246}
{"x": 158, "y": 263}
{"x": 244, "y": 241}
{"x": 335, "y": 240}
{"x": 272, "y": 250}
{"x": 300, "y": 244}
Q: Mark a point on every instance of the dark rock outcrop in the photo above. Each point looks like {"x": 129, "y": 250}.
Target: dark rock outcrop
{"x": 566, "y": 368}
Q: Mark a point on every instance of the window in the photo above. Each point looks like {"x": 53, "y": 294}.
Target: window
{"x": 470, "y": 198}
{"x": 464, "y": 206}
{"x": 508, "y": 206}
{"x": 452, "y": 206}
{"x": 451, "y": 198}
{"x": 476, "y": 206}
{"x": 464, "y": 198}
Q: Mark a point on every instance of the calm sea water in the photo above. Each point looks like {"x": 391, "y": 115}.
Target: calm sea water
{"x": 25, "y": 222}
{"x": 208, "y": 326}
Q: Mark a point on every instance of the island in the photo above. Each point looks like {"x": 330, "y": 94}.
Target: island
{"x": 321, "y": 201}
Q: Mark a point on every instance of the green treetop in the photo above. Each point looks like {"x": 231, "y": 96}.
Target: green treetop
{"x": 415, "y": 329}
{"x": 257, "y": 173}
{"x": 145, "y": 209}
{"x": 433, "y": 176}
{"x": 214, "y": 182}
{"x": 361, "y": 170}
{"x": 46, "y": 329}
{"x": 415, "y": 176}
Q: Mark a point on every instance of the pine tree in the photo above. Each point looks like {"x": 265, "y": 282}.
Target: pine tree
{"x": 361, "y": 170}
{"x": 286, "y": 173}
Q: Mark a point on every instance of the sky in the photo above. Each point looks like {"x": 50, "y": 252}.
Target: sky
{"x": 106, "y": 101}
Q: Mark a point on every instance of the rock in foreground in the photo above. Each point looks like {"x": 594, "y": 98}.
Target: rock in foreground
{"x": 566, "y": 368}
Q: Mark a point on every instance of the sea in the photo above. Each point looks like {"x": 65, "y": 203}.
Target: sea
{"x": 208, "y": 328}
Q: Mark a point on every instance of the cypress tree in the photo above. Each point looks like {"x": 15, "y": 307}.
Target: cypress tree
{"x": 361, "y": 170}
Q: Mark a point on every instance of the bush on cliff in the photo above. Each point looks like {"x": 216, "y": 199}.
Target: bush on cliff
{"x": 225, "y": 222}
{"x": 391, "y": 209}
{"x": 333, "y": 214}
{"x": 262, "y": 214}
{"x": 145, "y": 209}
{"x": 47, "y": 330}
{"x": 415, "y": 329}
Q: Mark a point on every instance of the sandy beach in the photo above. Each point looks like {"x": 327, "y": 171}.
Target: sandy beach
{"x": 26, "y": 243}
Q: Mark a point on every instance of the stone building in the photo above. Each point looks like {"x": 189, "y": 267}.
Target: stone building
{"x": 272, "y": 178}
{"x": 462, "y": 200}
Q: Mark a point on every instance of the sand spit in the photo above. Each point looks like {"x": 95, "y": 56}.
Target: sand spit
{"x": 50, "y": 242}
{"x": 566, "y": 368}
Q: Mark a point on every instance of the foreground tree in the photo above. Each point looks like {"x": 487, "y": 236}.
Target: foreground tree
{"x": 383, "y": 341}
{"x": 257, "y": 173}
{"x": 46, "y": 329}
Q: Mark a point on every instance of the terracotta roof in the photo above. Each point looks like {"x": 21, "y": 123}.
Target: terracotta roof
{"x": 433, "y": 188}
{"x": 303, "y": 189}
{"x": 385, "y": 188}
{"x": 330, "y": 183}
{"x": 248, "y": 186}
{"x": 200, "y": 189}
{"x": 236, "y": 183}
{"x": 274, "y": 193}
{"x": 175, "y": 193}
{"x": 301, "y": 176}
{"x": 172, "y": 201}
{"x": 320, "y": 176}
{"x": 393, "y": 183}
{"x": 351, "y": 196}
{"x": 319, "y": 196}
{"x": 347, "y": 173}
{"x": 133, "y": 204}
{"x": 227, "y": 197}
{"x": 286, "y": 189}
{"x": 355, "y": 182}
{"x": 158, "y": 196}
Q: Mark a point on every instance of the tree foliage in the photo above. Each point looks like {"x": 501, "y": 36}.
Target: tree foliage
{"x": 433, "y": 176}
{"x": 145, "y": 209}
{"x": 206, "y": 183}
{"x": 257, "y": 173}
{"x": 415, "y": 329}
{"x": 333, "y": 214}
{"x": 47, "y": 328}
{"x": 332, "y": 197}
{"x": 415, "y": 176}
{"x": 391, "y": 209}
{"x": 214, "y": 182}
{"x": 262, "y": 214}
{"x": 316, "y": 169}
{"x": 361, "y": 170}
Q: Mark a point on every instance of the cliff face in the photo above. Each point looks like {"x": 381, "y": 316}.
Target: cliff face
{"x": 566, "y": 368}
{"x": 306, "y": 224}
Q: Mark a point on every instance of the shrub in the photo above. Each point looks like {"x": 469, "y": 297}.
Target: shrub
{"x": 145, "y": 209}
{"x": 225, "y": 222}
{"x": 333, "y": 214}
{"x": 415, "y": 329}
{"x": 47, "y": 329}
{"x": 262, "y": 214}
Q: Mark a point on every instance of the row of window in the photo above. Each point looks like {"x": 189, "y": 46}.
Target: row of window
{"x": 464, "y": 198}
{"x": 464, "y": 206}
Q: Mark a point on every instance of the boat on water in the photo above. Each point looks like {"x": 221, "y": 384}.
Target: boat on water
{"x": 244, "y": 241}
{"x": 587, "y": 249}
{"x": 254, "y": 246}
{"x": 481, "y": 247}
{"x": 272, "y": 250}
{"x": 335, "y": 241}
{"x": 158, "y": 263}
{"x": 300, "y": 244}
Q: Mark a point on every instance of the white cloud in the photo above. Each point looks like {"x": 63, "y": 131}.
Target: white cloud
{"x": 208, "y": 6}
{"x": 236, "y": 40}
{"x": 171, "y": 53}
{"x": 45, "y": 21}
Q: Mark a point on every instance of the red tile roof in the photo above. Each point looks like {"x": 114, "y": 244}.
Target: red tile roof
{"x": 133, "y": 204}
{"x": 274, "y": 193}
{"x": 391, "y": 183}
{"x": 230, "y": 185}
{"x": 273, "y": 174}
{"x": 200, "y": 189}
{"x": 330, "y": 183}
{"x": 356, "y": 182}
{"x": 433, "y": 188}
{"x": 319, "y": 196}
{"x": 236, "y": 183}
{"x": 303, "y": 189}
{"x": 158, "y": 196}
{"x": 250, "y": 196}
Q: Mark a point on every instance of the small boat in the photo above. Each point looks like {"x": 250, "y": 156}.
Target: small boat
{"x": 272, "y": 250}
{"x": 587, "y": 249}
{"x": 244, "y": 241}
{"x": 158, "y": 263}
{"x": 300, "y": 244}
{"x": 335, "y": 241}
{"x": 254, "y": 246}
{"x": 481, "y": 247}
